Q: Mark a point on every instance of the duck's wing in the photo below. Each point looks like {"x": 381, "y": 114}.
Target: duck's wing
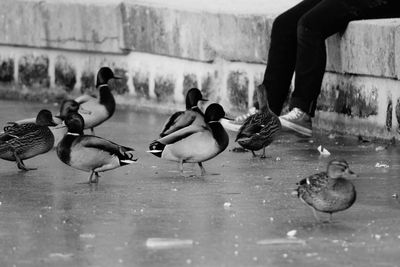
{"x": 181, "y": 134}
{"x": 104, "y": 144}
{"x": 177, "y": 121}
{"x": 251, "y": 126}
{"x": 313, "y": 184}
{"x": 270, "y": 125}
{"x": 17, "y": 136}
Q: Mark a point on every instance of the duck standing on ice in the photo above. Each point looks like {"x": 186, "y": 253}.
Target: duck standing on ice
{"x": 195, "y": 143}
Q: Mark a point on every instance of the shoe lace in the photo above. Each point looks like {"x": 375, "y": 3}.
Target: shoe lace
{"x": 295, "y": 113}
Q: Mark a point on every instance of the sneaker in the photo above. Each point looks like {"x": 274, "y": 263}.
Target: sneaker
{"x": 235, "y": 124}
{"x": 298, "y": 121}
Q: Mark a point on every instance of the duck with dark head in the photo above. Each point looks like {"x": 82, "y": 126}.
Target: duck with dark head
{"x": 102, "y": 108}
{"x": 90, "y": 153}
{"x": 191, "y": 116}
{"x": 194, "y": 143}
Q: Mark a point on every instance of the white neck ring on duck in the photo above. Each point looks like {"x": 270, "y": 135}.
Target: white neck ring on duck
{"x": 74, "y": 134}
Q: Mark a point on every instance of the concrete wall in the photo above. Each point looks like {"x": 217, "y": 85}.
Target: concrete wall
{"x": 50, "y": 50}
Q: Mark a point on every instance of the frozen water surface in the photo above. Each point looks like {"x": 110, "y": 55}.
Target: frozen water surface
{"x": 146, "y": 215}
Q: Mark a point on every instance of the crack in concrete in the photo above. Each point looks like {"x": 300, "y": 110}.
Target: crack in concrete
{"x": 73, "y": 39}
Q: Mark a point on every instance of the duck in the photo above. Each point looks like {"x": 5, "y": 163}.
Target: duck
{"x": 329, "y": 191}
{"x": 90, "y": 153}
{"x": 194, "y": 143}
{"x": 101, "y": 108}
{"x": 192, "y": 114}
{"x": 260, "y": 129}
{"x": 24, "y": 141}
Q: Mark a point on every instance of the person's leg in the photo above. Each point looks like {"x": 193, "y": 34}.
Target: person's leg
{"x": 325, "y": 19}
{"x": 281, "y": 61}
{"x": 282, "y": 54}
{"x": 322, "y": 21}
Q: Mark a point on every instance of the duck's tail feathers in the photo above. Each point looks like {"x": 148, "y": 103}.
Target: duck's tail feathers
{"x": 126, "y": 156}
{"x": 156, "y": 148}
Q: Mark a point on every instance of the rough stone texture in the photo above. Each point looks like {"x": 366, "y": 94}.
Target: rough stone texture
{"x": 347, "y": 98}
{"x": 238, "y": 84}
{"x": 164, "y": 88}
{"x": 6, "y": 70}
{"x": 87, "y": 82}
{"x": 120, "y": 86}
{"x": 65, "y": 74}
{"x": 398, "y": 114}
{"x": 358, "y": 105}
{"x": 189, "y": 81}
{"x": 389, "y": 116}
{"x": 70, "y": 26}
{"x": 33, "y": 71}
{"x": 206, "y": 85}
{"x": 200, "y": 36}
{"x": 368, "y": 47}
{"x": 141, "y": 84}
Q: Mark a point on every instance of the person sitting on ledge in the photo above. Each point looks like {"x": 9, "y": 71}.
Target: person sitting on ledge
{"x": 298, "y": 46}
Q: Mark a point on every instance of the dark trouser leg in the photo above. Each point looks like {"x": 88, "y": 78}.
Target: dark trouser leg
{"x": 323, "y": 20}
{"x": 282, "y": 54}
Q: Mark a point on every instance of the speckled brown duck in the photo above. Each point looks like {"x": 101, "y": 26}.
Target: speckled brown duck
{"x": 329, "y": 191}
{"x": 24, "y": 141}
{"x": 259, "y": 130}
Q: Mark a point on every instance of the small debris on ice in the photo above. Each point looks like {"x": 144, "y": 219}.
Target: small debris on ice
{"x": 377, "y": 237}
{"x": 323, "y": 151}
{"x": 291, "y": 234}
{"x": 61, "y": 256}
{"x": 239, "y": 150}
{"x": 268, "y": 178}
{"x": 395, "y": 195}
{"x": 278, "y": 159}
{"x": 227, "y": 205}
{"x": 312, "y": 254}
{"x": 165, "y": 243}
{"x": 332, "y": 136}
{"x": 380, "y": 148}
{"x": 281, "y": 241}
{"x": 90, "y": 236}
{"x": 381, "y": 165}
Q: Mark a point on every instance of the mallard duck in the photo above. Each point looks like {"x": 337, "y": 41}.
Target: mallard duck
{"x": 194, "y": 143}
{"x": 24, "y": 141}
{"x": 192, "y": 114}
{"x": 260, "y": 129}
{"x": 328, "y": 191}
{"x": 102, "y": 108}
{"x": 90, "y": 153}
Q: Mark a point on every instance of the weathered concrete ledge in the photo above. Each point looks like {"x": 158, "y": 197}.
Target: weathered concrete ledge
{"x": 50, "y": 50}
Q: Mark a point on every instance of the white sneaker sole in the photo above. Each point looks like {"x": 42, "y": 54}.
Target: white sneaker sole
{"x": 295, "y": 127}
{"x": 230, "y": 126}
